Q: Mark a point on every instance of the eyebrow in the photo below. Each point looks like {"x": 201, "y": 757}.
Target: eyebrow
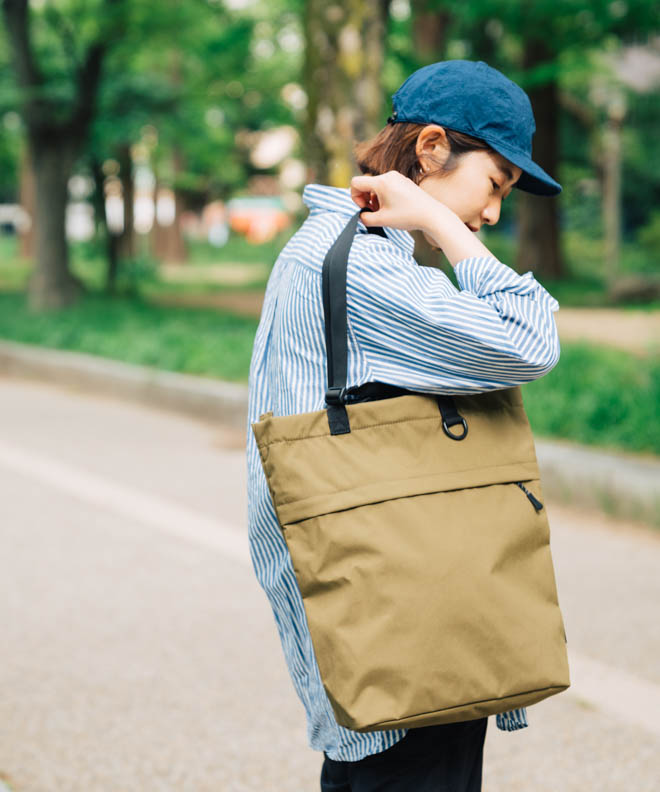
{"x": 503, "y": 169}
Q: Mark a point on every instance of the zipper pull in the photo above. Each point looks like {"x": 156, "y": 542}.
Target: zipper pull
{"x": 536, "y": 503}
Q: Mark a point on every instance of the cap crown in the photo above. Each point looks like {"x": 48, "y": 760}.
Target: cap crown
{"x": 469, "y": 97}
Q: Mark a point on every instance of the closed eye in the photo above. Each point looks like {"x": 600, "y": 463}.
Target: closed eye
{"x": 496, "y": 186}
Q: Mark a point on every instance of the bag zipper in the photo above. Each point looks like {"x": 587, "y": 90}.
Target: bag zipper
{"x": 536, "y": 503}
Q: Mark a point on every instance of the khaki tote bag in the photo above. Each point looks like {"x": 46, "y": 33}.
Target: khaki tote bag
{"x": 419, "y": 541}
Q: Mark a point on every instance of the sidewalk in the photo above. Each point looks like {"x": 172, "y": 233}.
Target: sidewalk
{"x": 633, "y": 331}
{"x": 624, "y": 485}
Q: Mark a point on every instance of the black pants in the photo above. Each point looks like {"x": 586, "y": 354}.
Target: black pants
{"x": 446, "y": 758}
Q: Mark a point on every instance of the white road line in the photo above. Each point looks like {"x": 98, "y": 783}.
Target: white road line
{"x": 128, "y": 502}
{"x": 609, "y": 689}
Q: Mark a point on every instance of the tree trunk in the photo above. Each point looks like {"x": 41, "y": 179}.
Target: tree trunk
{"x": 344, "y": 56}
{"x": 126, "y": 240}
{"x": 177, "y": 250}
{"x": 56, "y": 138}
{"x": 101, "y": 226}
{"x": 430, "y": 27}
{"x": 158, "y": 233}
{"x": 611, "y": 170}
{"x": 27, "y": 202}
{"x": 112, "y": 257}
{"x": 538, "y": 217}
{"x": 167, "y": 242}
{"x": 51, "y": 285}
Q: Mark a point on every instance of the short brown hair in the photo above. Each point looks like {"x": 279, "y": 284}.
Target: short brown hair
{"x": 393, "y": 148}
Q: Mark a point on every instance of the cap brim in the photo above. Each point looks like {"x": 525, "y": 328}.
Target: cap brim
{"x": 533, "y": 178}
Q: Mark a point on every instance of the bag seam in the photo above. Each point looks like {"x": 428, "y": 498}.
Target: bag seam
{"x": 357, "y": 429}
{"x": 415, "y": 478}
{"x": 470, "y": 703}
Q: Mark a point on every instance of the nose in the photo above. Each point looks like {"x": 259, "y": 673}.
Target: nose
{"x": 491, "y": 214}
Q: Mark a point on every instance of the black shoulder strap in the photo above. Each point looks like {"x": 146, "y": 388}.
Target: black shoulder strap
{"x": 334, "y": 310}
{"x": 335, "y": 266}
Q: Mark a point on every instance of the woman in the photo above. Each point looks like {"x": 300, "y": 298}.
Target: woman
{"x": 458, "y": 141}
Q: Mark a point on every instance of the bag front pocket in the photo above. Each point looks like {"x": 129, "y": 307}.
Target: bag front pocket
{"x": 418, "y": 604}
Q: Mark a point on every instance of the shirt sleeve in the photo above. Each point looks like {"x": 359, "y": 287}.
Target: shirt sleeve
{"x": 418, "y": 331}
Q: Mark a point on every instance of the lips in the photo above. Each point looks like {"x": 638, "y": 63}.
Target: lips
{"x": 472, "y": 228}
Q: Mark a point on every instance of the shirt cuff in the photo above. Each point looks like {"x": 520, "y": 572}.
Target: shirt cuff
{"x": 512, "y": 720}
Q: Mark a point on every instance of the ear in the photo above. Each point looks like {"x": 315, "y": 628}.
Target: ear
{"x": 432, "y": 142}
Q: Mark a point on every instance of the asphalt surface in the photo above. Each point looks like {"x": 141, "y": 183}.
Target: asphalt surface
{"x": 139, "y": 653}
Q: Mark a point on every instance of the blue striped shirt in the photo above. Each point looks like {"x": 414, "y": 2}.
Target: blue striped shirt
{"x": 408, "y": 325}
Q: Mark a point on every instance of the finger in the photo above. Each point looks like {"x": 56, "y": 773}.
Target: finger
{"x": 359, "y": 197}
{"x": 365, "y": 183}
{"x": 363, "y": 198}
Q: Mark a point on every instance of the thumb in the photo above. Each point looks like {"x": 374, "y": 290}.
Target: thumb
{"x": 370, "y": 217}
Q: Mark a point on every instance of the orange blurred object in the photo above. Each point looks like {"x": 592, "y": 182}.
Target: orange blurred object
{"x": 258, "y": 219}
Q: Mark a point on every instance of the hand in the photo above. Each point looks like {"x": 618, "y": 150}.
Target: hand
{"x": 395, "y": 201}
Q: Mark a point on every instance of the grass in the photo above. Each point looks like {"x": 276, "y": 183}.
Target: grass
{"x": 598, "y": 396}
{"x": 194, "y": 341}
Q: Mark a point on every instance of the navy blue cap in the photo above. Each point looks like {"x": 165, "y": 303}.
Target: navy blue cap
{"x": 473, "y": 98}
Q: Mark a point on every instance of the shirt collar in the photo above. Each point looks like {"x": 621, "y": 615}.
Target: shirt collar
{"x": 322, "y": 197}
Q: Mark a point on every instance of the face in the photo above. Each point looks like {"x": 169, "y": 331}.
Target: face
{"x": 476, "y": 187}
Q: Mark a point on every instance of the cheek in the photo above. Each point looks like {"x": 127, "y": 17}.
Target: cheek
{"x": 484, "y": 197}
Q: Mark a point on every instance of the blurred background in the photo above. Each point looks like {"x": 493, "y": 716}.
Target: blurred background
{"x": 152, "y": 161}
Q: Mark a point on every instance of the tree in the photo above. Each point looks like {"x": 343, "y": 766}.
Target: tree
{"x": 344, "y": 55}
{"x": 532, "y": 38}
{"x": 57, "y": 103}
{"x": 431, "y": 22}
{"x": 88, "y": 94}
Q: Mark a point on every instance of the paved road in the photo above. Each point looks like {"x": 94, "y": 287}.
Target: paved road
{"x": 139, "y": 653}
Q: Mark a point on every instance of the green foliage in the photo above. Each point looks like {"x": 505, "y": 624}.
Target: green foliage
{"x": 62, "y": 32}
{"x": 9, "y": 158}
{"x": 594, "y": 395}
{"x": 649, "y": 238}
{"x": 192, "y": 81}
{"x": 220, "y": 74}
{"x": 598, "y": 396}
{"x": 558, "y": 24}
{"x": 10, "y": 128}
{"x": 175, "y": 339}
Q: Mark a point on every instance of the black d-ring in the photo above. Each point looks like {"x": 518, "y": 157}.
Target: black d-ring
{"x": 445, "y": 429}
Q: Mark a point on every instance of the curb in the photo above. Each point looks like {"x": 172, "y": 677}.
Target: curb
{"x": 623, "y": 485}
{"x": 200, "y": 397}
